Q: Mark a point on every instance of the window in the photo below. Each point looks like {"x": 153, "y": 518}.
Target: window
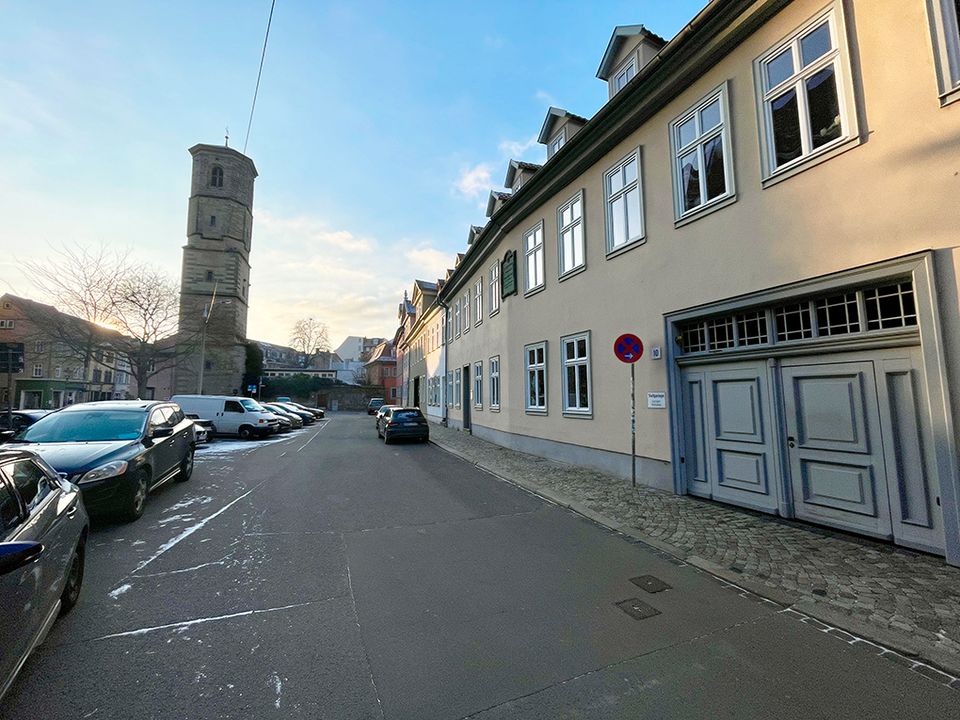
{"x": 449, "y": 325}
{"x": 208, "y": 364}
{"x": 702, "y": 164}
{"x": 456, "y": 318}
{"x": 495, "y": 383}
{"x": 38, "y": 346}
{"x": 108, "y": 376}
{"x": 801, "y": 84}
{"x": 393, "y": 393}
{"x": 57, "y": 371}
{"x": 97, "y": 374}
{"x": 535, "y": 365}
{"x": 624, "y": 76}
{"x": 466, "y": 311}
{"x": 30, "y": 481}
{"x": 216, "y": 176}
{"x": 495, "y": 288}
{"x": 478, "y": 385}
{"x": 213, "y": 221}
{"x": 570, "y": 234}
{"x": 77, "y": 373}
{"x": 6, "y": 323}
{"x": 232, "y": 406}
{"x": 624, "y": 211}
{"x": 9, "y": 509}
{"x": 450, "y": 389}
{"x": 38, "y": 370}
{"x": 209, "y": 275}
{"x": 533, "y": 250}
{"x": 575, "y": 356}
{"x": 946, "y": 43}
{"x": 478, "y": 301}
{"x": 456, "y": 387}
{"x": 557, "y": 142}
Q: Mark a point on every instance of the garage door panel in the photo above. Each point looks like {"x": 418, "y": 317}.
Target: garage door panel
{"x": 843, "y": 487}
{"x": 737, "y": 410}
{"x": 831, "y": 413}
{"x": 742, "y": 471}
{"x": 695, "y": 457}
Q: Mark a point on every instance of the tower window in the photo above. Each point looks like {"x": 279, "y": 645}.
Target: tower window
{"x": 213, "y": 221}
{"x": 216, "y": 176}
{"x": 209, "y": 275}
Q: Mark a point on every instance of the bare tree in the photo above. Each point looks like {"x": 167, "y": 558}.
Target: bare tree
{"x": 120, "y": 313}
{"x": 310, "y": 337}
{"x": 360, "y": 376}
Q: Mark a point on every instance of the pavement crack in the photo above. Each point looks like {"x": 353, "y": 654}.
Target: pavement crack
{"x": 356, "y": 617}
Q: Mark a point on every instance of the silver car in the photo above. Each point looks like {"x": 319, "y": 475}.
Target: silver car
{"x": 43, "y": 532}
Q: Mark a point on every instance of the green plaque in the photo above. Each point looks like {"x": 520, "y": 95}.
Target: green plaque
{"x": 508, "y": 274}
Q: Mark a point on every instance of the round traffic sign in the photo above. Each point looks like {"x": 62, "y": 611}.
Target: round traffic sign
{"x": 628, "y": 348}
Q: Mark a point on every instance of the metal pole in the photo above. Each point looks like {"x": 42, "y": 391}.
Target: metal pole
{"x": 203, "y": 347}
{"x": 633, "y": 429}
{"x": 9, "y": 387}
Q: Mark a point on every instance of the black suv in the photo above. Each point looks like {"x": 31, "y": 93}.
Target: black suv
{"x": 116, "y": 451}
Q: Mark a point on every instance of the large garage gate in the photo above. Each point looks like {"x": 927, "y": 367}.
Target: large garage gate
{"x": 816, "y": 409}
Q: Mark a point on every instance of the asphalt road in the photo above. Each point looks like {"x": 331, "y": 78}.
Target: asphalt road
{"x": 326, "y": 575}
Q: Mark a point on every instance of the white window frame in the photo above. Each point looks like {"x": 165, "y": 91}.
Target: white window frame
{"x": 449, "y": 388}
{"x": 945, "y": 26}
{"x": 494, "y": 368}
{"x": 839, "y": 57}
{"x": 529, "y": 368}
{"x": 723, "y": 131}
{"x": 537, "y": 252}
{"x": 478, "y": 301}
{"x": 449, "y": 316}
{"x": 566, "y": 364}
{"x": 495, "y": 288}
{"x": 466, "y": 310}
{"x": 624, "y": 69}
{"x": 39, "y": 346}
{"x": 571, "y": 227}
{"x": 478, "y": 385}
{"x": 57, "y": 371}
{"x": 456, "y": 318}
{"x": 457, "y": 387}
{"x": 610, "y": 197}
{"x": 557, "y": 142}
{"x": 37, "y": 370}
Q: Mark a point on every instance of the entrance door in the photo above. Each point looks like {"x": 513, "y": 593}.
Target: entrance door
{"x": 834, "y": 446}
{"x": 416, "y": 392}
{"x": 466, "y": 397}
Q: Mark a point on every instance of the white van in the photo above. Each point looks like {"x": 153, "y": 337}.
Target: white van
{"x": 230, "y": 415}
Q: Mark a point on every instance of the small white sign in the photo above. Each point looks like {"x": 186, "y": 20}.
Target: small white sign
{"x": 656, "y": 400}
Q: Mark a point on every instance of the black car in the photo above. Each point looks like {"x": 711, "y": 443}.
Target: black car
{"x": 295, "y": 421}
{"x": 116, "y": 451}
{"x": 43, "y": 533}
{"x": 374, "y": 405}
{"x": 19, "y": 419}
{"x": 318, "y": 413}
{"x": 403, "y": 422}
{"x": 308, "y": 417}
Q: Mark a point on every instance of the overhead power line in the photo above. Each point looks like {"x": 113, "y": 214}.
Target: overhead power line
{"x": 256, "y": 90}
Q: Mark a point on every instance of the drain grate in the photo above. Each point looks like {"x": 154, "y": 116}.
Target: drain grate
{"x": 637, "y": 609}
{"x": 650, "y": 583}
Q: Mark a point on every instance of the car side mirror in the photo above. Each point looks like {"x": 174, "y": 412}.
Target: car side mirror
{"x": 161, "y": 432}
{"x": 15, "y": 555}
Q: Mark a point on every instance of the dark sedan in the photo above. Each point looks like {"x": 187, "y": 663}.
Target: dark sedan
{"x": 18, "y": 420}
{"x": 43, "y": 533}
{"x": 308, "y": 417}
{"x": 296, "y": 422}
{"x": 403, "y": 422}
{"x": 116, "y": 451}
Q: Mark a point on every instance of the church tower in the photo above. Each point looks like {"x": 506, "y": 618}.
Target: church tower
{"x": 216, "y": 267}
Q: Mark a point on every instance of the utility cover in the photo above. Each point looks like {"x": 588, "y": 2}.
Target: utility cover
{"x": 637, "y": 609}
{"x": 650, "y": 583}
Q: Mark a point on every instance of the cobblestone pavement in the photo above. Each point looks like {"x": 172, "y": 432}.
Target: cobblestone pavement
{"x": 906, "y": 600}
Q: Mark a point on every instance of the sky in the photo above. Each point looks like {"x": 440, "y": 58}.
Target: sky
{"x": 380, "y": 128}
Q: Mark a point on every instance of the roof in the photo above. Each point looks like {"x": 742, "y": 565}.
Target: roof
{"x": 382, "y": 353}
{"x": 517, "y": 165}
{"x": 40, "y": 311}
{"x": 492, "y": 200}
{"x": 223, "y": 150}
{"x": 425, "y": 286}
{"x": 620, "y": 33}
{"x": 553, "y": 115}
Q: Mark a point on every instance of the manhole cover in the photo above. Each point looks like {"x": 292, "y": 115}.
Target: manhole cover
{"x": 650, "y": 583}
{"x": 637, "y": 609}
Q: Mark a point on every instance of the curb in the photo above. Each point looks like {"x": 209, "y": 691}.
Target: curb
{"x": 902, "y": 643}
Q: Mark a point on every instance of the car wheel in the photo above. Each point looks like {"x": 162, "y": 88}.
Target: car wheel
{"x": 186, "y": 467}
{"x": 386, "y": 440}
{"x": 246, "y": 432}
{"x": 137, "y": 497}
{"x": 71, "y": 591}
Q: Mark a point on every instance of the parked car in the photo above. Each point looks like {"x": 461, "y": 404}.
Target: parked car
{"x": 296, "y": 422}
{"x": 316, "y": 412}
{"x": 374, "y": 405}
{"x": 308, "y": 417}
{"x": 231, "y": 415}
{"x": 382, "y": 410}
{"x": 19, "y": 420}
{"x": 117, "y": 451}
{"x": 43, "y": 535}
{"x": 203, "y": 429}
{"x": 403, "y": 422}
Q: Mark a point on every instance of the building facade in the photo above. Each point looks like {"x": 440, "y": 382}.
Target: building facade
{"x": 215, "y": 276}
{"x": 423, "y": 353}
{"x": 767, "y": 201}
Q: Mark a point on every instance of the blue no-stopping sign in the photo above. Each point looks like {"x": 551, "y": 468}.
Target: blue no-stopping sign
{"x": 628, "y": 348}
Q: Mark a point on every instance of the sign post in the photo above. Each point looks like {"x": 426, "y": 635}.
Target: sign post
{"x": 11, "y": 360}
{"x": 628, "y": 348}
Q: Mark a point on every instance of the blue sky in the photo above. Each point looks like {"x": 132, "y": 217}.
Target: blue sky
{"x": 380, "y": 127}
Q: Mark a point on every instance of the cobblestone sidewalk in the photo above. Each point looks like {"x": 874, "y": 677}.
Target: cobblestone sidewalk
{"x": 905, "y": 600}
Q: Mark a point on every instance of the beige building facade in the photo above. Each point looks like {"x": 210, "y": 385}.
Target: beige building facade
{"x": 768, "y": 201}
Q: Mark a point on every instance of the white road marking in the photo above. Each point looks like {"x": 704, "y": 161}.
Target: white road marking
{"x": 314, "y": 436}
{"x": 181, "y": 570}
{"x": 278, "y": 688}
{"x": 199, "y": 621}
{"x": 119, "y": 591}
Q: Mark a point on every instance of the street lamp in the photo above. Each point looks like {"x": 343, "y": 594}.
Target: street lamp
{"x": 207, "y": 312}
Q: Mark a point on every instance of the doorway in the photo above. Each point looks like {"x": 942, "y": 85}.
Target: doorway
{"x": 466, "y": 397}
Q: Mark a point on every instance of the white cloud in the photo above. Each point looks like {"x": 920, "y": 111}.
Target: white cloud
{"x": 545, "y": 97}
{"x": 311, "y": 233}
{"x": 473, "y": 182}
{"x": 517, "y": 149}
{"x": 427, "y": 262}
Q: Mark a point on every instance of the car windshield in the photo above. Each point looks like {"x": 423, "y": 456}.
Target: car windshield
{"x": 86, "y": 426}
{"x": 407, "y": 415}
{"x": 252, "y": 405}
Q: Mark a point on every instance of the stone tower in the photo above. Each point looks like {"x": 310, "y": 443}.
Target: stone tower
{"x": 217, "y": 254}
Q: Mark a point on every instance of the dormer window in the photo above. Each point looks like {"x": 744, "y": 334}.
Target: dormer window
{"x": 624, "y": 76}
{"x": 216, "y": 176}
{"x": 556, "y": 143}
